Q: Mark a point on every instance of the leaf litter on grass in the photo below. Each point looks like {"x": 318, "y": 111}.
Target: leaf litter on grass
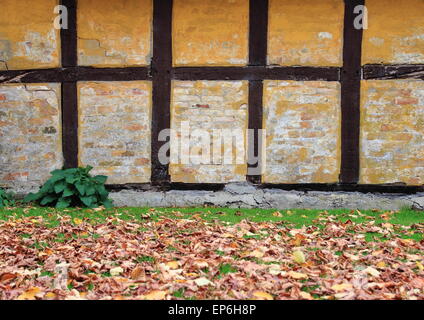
{"x": 185, "y": 258}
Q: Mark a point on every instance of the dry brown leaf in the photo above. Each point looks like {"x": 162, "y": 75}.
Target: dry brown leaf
{"x": 342, "y": 287}
{"x": 30, "y": 294}
{"x": 173, "y": 264}
{"x": 138, "y": 273}
{"x": 299, "y": 257}
{"x": 116, "y": 271}
{"x": 203, "y": 282}
{"x": 50, "y": 296}
{"x": 154, "y": 295}
{"x": 7, "y": 276}
{"x": 256, "y": 253}
{"x": 306, "y": 295}
{"x": 77, "y": 221}
{"x": 262, "y": 295}
{"x": 372, "y": 271}
{"x": 297, "y": 275}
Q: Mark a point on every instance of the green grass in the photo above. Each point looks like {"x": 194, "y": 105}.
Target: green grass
{"x": 227, "y": 268}
{"x": 145, "y": 259}
{"x": 295, "y": 218}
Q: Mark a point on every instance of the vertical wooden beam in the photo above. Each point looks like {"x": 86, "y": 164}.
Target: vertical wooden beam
{"x": 255, "y": 123}
{"x": 68, "y": 40}
{"x": 161, "y": 75}
{"x": 69, "y": 100}
{"x": 350, "y": 95}
{"x": 258, "y": 33}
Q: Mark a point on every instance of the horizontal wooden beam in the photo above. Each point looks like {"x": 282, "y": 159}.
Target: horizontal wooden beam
{"x": 257, "y": 73}
{"x": 73, "y": 74}
{"x": 386, "y": 72}
{"x": 364, "y": 188}
{"x": 36, "y": 76}
{"x": 80, "y": 73}
{"x": 304, "y": 187}
{"x": 113, "y": 74}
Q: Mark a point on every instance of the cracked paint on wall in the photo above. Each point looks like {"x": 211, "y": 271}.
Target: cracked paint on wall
{"x": 209, "y": 105}
{"x": 210, "y": 32}
{"x": 30, "y": 134}
{"x": 114, "y": 129}
{"x": 306, "y": 32}
{"x": 392, "y": 131}
{"x": 28, "y": 39}
{"x": 302, "y": 122}
{"x": 114, "y": 33}
{"x": 395, "y": 32}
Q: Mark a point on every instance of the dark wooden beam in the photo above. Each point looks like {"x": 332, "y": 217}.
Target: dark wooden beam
{"x": 258, "y": 42}
{"x": 364, "y": 188}
{"x": 70, "y": 124}
{"x": 257, "y": 73}
{"x": 301, "y": 187}
{"x": 112, "y": 74}
{"x": 180, "y": 73}
{"x": 161, "y": 73}
{"x": 68, "y": 40}
{"x": 36, "y": 76}
{"x": 388, "y": 72}
{"x": 255, "y": 123}
{"x": 258, "y": 32}
{"x": 68, "y": 37}
{"x": 71, "y": 74}
{"x": 350, "y": 95}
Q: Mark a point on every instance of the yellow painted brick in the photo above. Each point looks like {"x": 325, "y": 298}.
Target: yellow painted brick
{"x": 306, "y": 32}
{"x": 114, "y": 33}
{"x": 392, "y": 130}
{"x": 31, "y": 144}
{"x": 28, "y": 39}
{"x": 302, "y": 122}
{"x": 210, "y": 32}
{"x": 395, "y": 32}
{"x": 116, "y": 142}
{"x": 208, "y": 105}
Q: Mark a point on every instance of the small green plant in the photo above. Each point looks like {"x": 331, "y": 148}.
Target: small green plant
{"x": 227, "y": 268}
{"x": 145, "y": 259}
{"x": 73, "y": 187}
{"x": 179, "y": 293}
{"x": 6, "y": 199}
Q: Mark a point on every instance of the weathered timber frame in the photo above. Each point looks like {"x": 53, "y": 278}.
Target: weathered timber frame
{"x": 161, "y": 72}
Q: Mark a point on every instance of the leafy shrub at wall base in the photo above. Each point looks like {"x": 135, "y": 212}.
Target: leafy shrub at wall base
{"x": 6, "y": 199}
{"x": 73, "y": 187}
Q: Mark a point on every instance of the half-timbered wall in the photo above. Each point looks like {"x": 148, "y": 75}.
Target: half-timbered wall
{"x": 342, "y": 108}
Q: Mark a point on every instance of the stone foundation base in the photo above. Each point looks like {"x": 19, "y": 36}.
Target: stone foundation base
{"x": 241, "y": 195}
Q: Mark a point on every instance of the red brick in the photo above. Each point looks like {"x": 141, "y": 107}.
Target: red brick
{"x": 403, "y": 101}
